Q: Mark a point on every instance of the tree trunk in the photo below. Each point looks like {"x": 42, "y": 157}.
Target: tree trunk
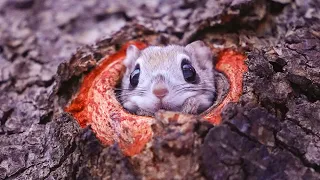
{"x": 272, "y": 133}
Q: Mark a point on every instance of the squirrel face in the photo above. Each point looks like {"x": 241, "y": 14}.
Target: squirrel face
{"x": 173, "y": 77}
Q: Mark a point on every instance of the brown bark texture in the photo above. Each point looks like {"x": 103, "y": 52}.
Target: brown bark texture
{"x": 47, "y": 46}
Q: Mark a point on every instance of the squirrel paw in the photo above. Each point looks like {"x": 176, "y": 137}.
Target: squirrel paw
{"x": 191, "y": 106}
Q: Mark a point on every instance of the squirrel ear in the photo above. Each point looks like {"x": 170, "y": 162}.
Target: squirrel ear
{"x": 201, "y": 53}
{"x": 132, "y": 55}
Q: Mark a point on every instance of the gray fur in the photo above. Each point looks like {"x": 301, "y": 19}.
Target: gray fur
{"x": 164, "y": 64}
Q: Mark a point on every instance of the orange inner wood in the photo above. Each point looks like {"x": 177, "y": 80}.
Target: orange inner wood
{"x": 96, "y": 104}
{"x": 232, "y": 64}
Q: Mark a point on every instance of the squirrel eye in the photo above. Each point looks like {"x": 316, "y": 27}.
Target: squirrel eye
{"x": 188, "y": 71}
{"x": 134, "y": 76}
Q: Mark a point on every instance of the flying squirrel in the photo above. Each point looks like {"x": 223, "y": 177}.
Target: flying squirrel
{"x": 173, "y": 77}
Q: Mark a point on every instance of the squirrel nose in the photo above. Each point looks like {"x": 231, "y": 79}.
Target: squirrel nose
{"x": 160, "y": 91}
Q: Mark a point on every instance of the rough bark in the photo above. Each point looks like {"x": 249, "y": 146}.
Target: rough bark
{"x": 272, "y": 133}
